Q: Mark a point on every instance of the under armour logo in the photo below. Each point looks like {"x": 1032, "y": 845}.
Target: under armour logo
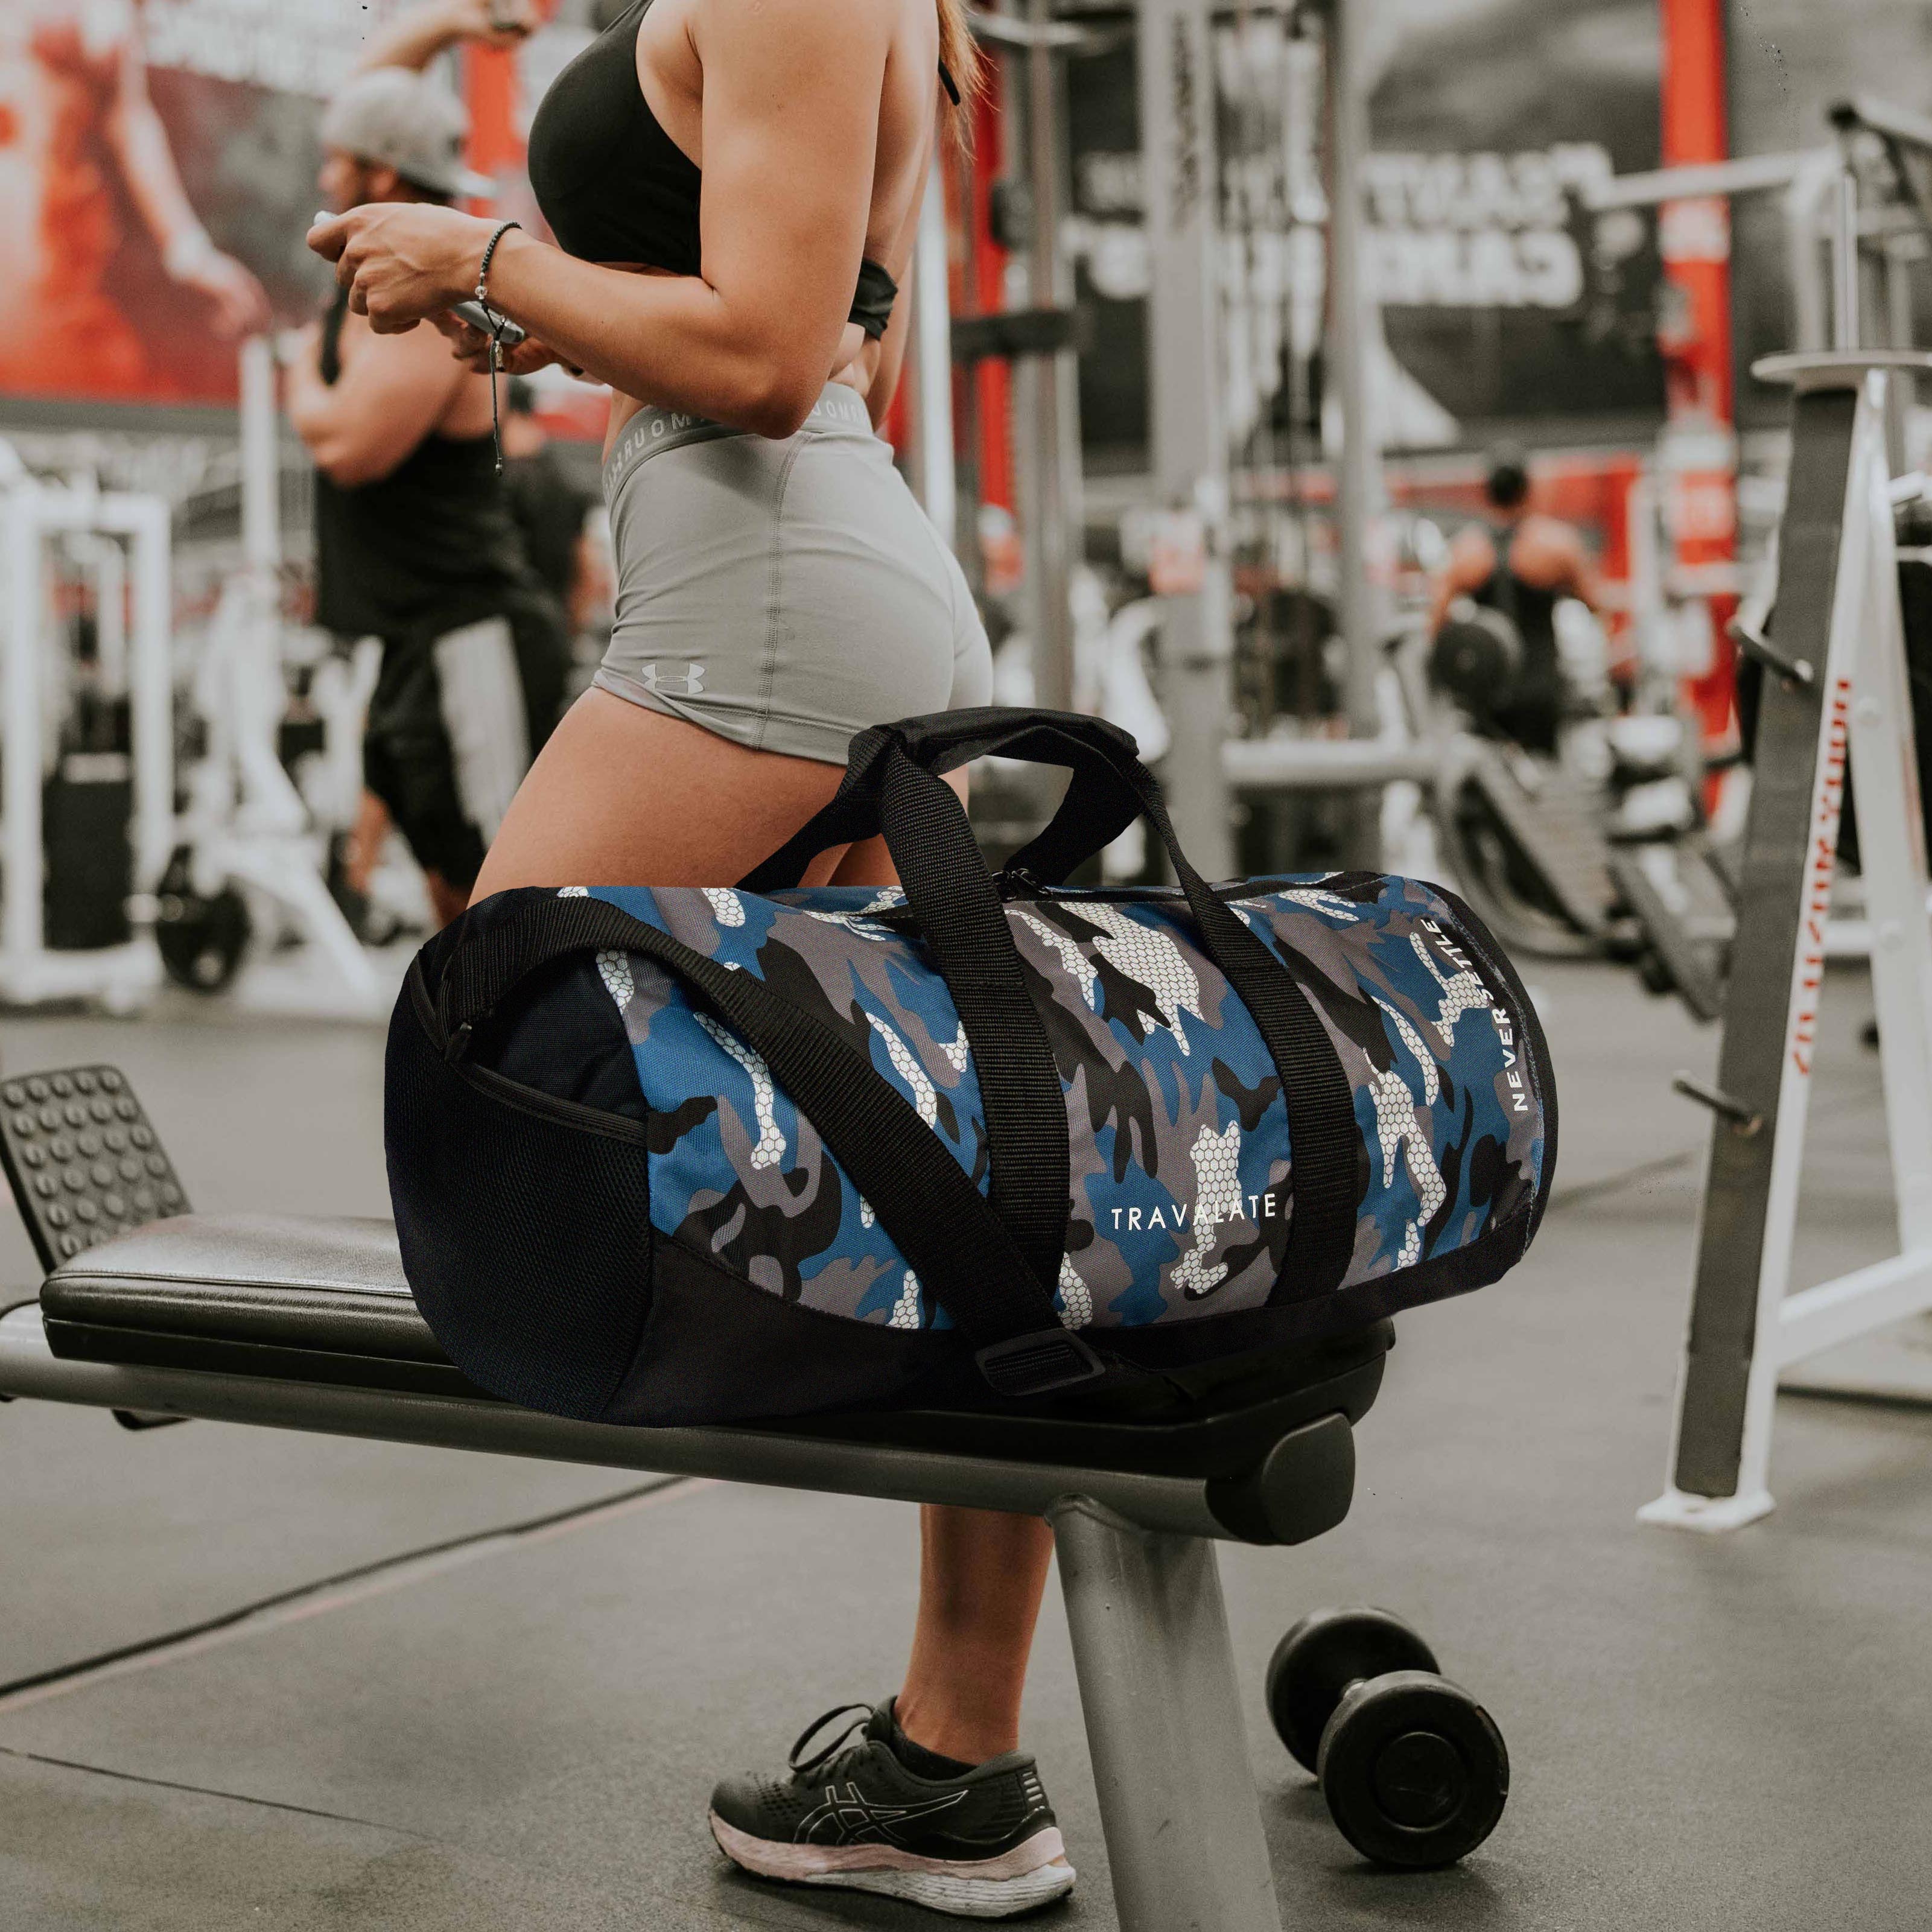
{"x": 652, "y": 677}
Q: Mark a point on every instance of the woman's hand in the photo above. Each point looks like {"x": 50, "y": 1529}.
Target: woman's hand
{"x": 402, "y": 261}
{"x": 471, "y": 348}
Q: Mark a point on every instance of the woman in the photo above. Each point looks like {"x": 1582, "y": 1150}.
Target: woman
{"x": 737, "y": 185}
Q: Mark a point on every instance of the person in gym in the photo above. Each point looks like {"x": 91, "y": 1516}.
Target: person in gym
{"x": 416, "y": 543}
{"x": 1521, "y": 564}
{"x": 778, "y": 590}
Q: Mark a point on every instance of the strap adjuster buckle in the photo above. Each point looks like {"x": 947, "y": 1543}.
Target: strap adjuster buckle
{"x": 1036, "y": 1364}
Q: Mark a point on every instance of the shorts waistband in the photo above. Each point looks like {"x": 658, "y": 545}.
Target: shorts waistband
{"x": 653, "y": 431}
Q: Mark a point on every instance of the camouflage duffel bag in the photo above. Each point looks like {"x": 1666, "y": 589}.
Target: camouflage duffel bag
{"x": 673, "y": 1155}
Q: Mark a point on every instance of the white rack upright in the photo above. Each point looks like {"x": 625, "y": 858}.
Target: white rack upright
{"x": 32, "y": 511}
{"x": 1835, "y": 689}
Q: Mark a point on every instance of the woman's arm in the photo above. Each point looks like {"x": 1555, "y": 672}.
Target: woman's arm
{"x": 419, "y": 36}
{"x": 880, "y": 363}
{"x": 790, "y": 132}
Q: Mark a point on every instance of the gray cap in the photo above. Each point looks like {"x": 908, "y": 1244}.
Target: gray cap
{"x": 406, "y": 121}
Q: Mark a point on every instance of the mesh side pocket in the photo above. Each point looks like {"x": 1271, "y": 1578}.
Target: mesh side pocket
{"x": 527, "y": 1240}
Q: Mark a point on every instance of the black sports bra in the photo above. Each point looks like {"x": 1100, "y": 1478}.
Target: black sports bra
{"x": 614, "y": 186}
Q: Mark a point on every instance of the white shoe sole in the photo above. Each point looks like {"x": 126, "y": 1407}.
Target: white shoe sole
{"x": 1031, "y": 1875}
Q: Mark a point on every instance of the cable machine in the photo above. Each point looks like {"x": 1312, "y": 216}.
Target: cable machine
{"x": 124, "y": 540}
{"x": 245, "y": 824}
{"x": 1184, "y": 167}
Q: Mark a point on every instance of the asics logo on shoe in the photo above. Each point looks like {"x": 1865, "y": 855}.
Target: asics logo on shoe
{"x": 848, "y": 1817}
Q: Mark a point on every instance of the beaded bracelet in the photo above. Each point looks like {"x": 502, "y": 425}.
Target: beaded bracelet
{"x": 502, "y": 228}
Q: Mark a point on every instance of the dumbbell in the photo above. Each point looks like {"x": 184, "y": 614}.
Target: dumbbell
{"x": 1414, "y": 1769}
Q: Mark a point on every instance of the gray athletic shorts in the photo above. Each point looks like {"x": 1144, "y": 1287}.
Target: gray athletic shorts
{"x": 785, "y": 595}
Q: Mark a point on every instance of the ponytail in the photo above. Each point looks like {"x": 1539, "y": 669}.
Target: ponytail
{"x": 960, "y": 53}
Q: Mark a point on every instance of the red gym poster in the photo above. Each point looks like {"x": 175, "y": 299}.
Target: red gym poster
{"x": 157, "y": 175}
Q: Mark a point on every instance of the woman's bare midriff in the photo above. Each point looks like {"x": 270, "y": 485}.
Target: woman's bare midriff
{"x": 860, "y": 351}
{"x": 622, "y": 407}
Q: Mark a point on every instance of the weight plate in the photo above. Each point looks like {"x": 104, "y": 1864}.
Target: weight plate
{"x": 1325, "y": 1654}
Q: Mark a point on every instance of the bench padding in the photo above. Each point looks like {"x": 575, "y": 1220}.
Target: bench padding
{"x": 268, "y": 1294}
{"x": 313, "y": 1301}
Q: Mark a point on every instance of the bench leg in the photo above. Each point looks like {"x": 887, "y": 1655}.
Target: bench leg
{"x": 1157, "y": 1685}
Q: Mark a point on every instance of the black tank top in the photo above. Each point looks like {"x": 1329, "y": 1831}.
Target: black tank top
{"x": 1534, "y": 711}
{"x": 1532, "y": 607}
{"x": 614, "y": 186}
{"x": 420, "y": 552}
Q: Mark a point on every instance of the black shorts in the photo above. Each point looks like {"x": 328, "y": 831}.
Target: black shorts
{"x": 454, "y": 722}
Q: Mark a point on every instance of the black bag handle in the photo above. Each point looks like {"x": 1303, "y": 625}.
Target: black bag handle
{"x": 1091, "y": 748}
{"x": 951, "y": 1238}
{"x": 893, "y": 784}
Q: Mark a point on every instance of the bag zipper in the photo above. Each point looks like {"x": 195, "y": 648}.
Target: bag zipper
{"x": 1023, "y": 886}
{"x": 1017, "y": 884}
{"x": 532, "y": 1100}
{"x": 547, "y": 1107}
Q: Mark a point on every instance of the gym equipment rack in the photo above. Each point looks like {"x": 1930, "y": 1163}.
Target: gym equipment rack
{"x": 120, "y": 976}
{"x": 1835, "y": 689}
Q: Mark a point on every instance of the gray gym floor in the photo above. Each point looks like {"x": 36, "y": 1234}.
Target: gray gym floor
{"x": 518, "y": 1730}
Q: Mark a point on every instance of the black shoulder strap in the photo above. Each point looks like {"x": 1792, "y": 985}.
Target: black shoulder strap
{"x": 953, "y": 1240}
{"x": 1324, "y": 1142}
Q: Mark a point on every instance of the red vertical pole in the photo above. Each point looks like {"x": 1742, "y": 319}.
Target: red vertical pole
{"x": 489, "y": 80}
{"x": 897, "y": 427}
{"x": 1698, "y": 453}
{"x": 987, "y": 261}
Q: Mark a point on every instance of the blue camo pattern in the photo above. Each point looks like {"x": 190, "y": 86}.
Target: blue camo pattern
{"x": 1181, "y": 1168}
{"x": 1180, "y": 1162}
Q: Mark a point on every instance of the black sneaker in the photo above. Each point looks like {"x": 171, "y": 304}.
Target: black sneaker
{"x": 983, "y": 1844}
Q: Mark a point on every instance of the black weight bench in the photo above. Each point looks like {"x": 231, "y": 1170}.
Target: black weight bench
{"x": 309, "y": 1325}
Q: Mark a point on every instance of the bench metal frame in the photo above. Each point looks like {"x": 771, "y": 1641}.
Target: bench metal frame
{"x": 1158, "y": 1686}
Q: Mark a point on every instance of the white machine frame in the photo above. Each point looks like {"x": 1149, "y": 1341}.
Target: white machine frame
{"x": 247, "y": 823}
{"x": 120, "y": 977}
